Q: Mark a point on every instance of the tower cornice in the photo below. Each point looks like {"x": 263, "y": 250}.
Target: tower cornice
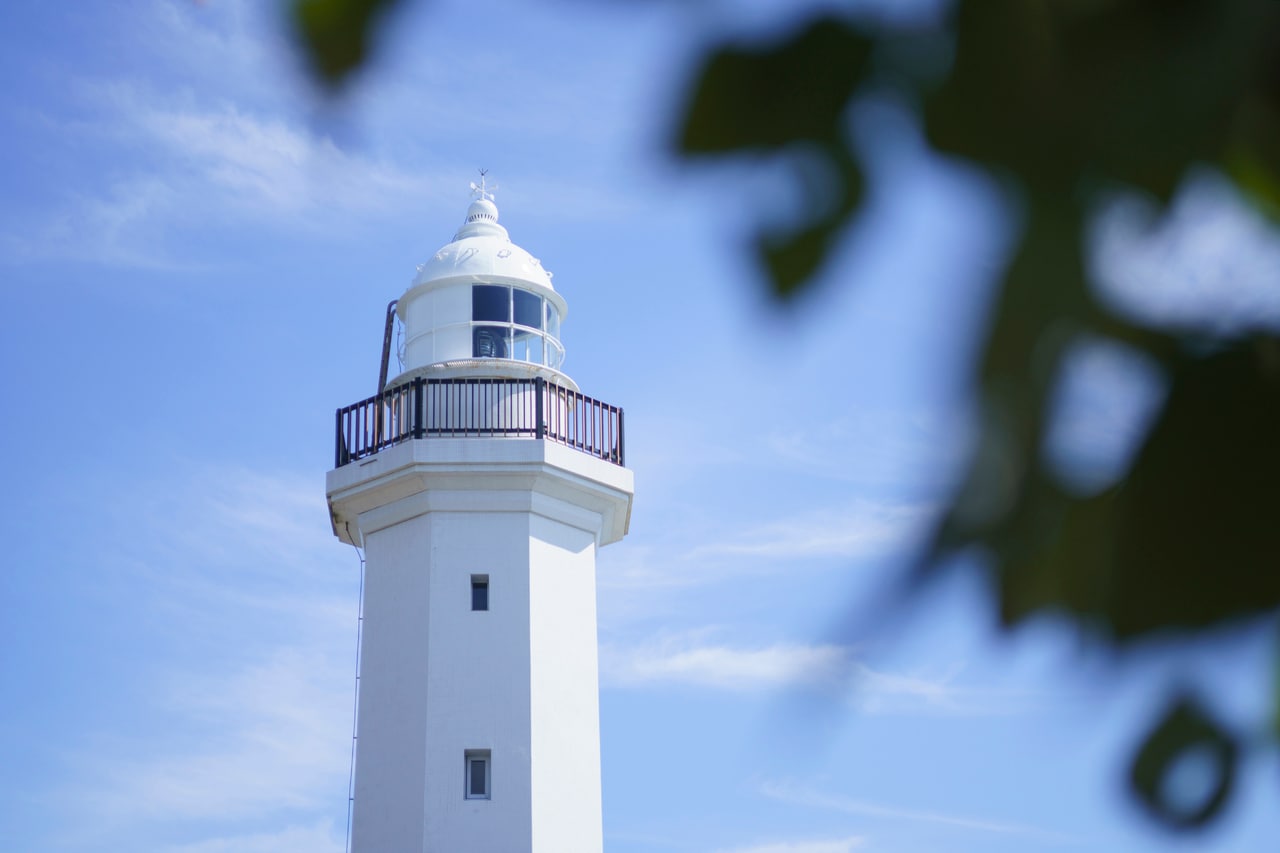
{"x": 480, "y": 474}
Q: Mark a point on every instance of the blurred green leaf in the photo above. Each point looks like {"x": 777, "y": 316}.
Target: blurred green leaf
{"x": 1185, "y": 728}
{"x": 1198, "y": 539}
{"x": 1006, "y": 503}
{"x": 767, "y": 97}
{"x": 335, "y": 34}
{"x": 1130, "y": 91}
{"x": 1187, "y": 540}
{"x": 792, "y": 96}
{"x": 792, "y": 254}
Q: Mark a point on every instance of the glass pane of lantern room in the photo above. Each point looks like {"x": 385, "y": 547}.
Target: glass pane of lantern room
{"x": 528, "y": 346}
{"x": 528, "y": 309}
{"x": 553, "y": 321}
{"x": 491, "y": 342}
{"x": 491, "y": 302}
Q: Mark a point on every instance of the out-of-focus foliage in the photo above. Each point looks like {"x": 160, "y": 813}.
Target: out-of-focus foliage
{"x": 337, "y": 34}
{"x": 765, "y": 102}
{"x": 1065, "y": 102}
{"x": 1184, "y": 729}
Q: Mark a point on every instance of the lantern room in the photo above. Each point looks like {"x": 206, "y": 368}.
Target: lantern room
{"x": 482, "y": 306}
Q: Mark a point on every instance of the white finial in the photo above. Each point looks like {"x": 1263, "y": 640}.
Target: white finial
{"x": 482, "y": 214}
{"x": 481, "y": 190}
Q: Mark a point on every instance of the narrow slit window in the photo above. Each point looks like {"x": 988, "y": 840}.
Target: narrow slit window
{"x": 479, "y": 592}
{"x": 478, "y": 773}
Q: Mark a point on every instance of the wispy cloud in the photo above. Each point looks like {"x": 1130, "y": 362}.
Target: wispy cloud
{"x": 860, "y": 529}
{"x": 227, "y": 45}
{"x": 676, "y": 661}
{"x": 830, "y": 845}
{"x": 874, "y": 448}
{"x": 251, "y": 613}
{"x": 804, "y": 796}
{"x": 693, "y": 659}
{"x": 317, "y": 838}
{"x": 213, "y": 139}
{"x": 246, "y": 743}
{"x": 224, "y": 134}
{"x": 194, "y": 170}
{"x": 107, "y": 225}
{"x": 203, "y": 167}
{"x": 275, "y": 168}
{"x": 637, "y": 583}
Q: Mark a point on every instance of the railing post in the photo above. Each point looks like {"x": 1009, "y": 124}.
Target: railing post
{"x": 540, "y": 387}
{"x": 339, "y": 444}
{"x": 419, "y": 406}
{"x": 622, "y": 458}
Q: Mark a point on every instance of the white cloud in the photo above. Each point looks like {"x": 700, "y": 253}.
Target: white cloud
{"x": 223, "y": 134}
{"x": 317, "y": 838}
{"x": 225, "y": 44}
{"x": 240, "y": 558}
{"x": 194, "y": 170}
{"x": 276, "y": 514}
{"x": 875, "y": 691}
{"x": 273, "y": 168}
{"x": 637, "y": 582}
{"x": 251, "y": 612}
{"x": 860, "y": 529}
{"x": 249, "y": 742}
{"x": 108, "y": 226}
{"x": 877, "y": 448}
{"x": 773, "y": 667}
{"x": 831, "y": 845}
{"x": 800, "y": 795}
{"x": 693, "y": 660}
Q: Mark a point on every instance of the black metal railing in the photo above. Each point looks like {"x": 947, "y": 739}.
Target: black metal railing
{"x": 471, "y": 407}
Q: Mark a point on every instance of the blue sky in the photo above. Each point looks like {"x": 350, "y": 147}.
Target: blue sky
{"x": 195, "y": 254}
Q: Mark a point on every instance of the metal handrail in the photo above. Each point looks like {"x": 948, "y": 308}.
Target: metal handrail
{"x": 474, "y": 407}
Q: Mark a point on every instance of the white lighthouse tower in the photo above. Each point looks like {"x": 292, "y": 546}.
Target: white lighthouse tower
{"x": 480, "y": 483}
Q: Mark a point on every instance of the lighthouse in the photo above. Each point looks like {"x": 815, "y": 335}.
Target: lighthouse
{"x": 479, "y": 483}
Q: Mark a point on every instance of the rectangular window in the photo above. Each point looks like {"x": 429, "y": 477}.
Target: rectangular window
{"x": 477, "y": 774}
{"x": 479, "y": 592}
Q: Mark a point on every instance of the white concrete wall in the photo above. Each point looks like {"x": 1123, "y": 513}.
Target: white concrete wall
{"x": 391, "y": 759}
{"x": 438, "y": 679}
{"x": 478, "y": 682}
{"x": 564, "y": 689}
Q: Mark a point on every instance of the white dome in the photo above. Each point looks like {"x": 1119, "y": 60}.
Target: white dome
{"x": 482, "y": 248}
{"x": 482, "y": 306}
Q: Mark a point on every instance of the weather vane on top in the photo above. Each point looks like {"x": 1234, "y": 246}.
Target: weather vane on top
{"x": 482, "y": 190}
